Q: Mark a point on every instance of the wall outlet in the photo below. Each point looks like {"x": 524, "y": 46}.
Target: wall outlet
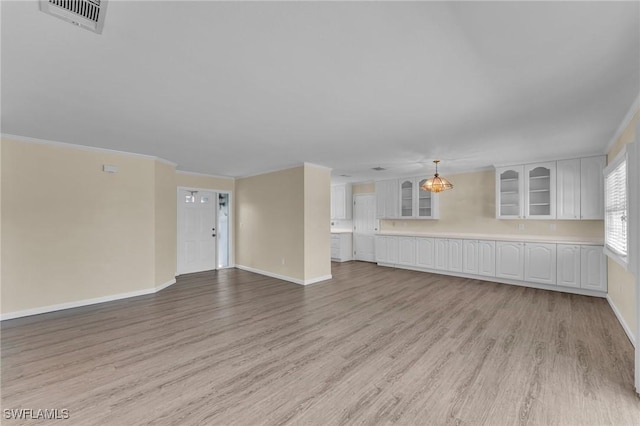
{"x": 521, "y": 227}
{"x": 282, "y": 261}
{"x": 552, "y": 226}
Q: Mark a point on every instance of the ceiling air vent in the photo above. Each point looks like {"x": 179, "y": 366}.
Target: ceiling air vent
{"x": 88, "y": 14}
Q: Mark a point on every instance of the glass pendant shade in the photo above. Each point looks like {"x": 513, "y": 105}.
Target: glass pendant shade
{"x": 436, "y": 183}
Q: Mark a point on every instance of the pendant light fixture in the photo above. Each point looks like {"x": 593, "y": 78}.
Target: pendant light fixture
{"x": 436, "y": 183}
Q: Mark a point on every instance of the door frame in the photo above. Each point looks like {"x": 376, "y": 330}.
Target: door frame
{"x": 376, "y": 223}
{"x": 232, "y": 259}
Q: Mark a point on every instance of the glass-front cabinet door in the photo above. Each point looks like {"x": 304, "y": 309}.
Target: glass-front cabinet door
{"x": 425, "y": 200}
{"x": 406, "y": 198}
{"x": 509, "y": 192}
{"x": 540, "y": 190}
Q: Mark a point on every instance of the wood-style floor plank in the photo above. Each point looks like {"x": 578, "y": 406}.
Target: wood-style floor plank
{"x": 372, "y": 346}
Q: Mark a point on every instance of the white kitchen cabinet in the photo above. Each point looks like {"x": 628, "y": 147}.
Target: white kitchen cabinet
{"x": 407, "y": 251}
{"x": 568, "y": 265}
{"x": 568, "y": 189}
{"x": 454, "y": 260}
{"x": 540, "y": 263}
{"x": 540, "y": 190}
{"x": 387, "y": 199}
{"x": 386, "y": 249}
{"x": 470, "y": 257}
{"x": 593, "y": 268}
{"x": 592, "y": 187}
{"x": 510, "y": 192}
{"x": 510, "y": 260}
{"x": 425, "y": 252}
{"x": 487, "y": 258}
{"x": 580, "y": 188}
{"x": 415, "y": 202}
{"x": 341, "y": 201}
{"x": 442, "y": 253}
{"x": 526, "y": 191}
{"x": 341, "y": 247}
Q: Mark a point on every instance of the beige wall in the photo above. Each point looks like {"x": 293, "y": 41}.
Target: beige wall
{"x": 71, "y": 231}
{"x": 470, "y": 208}
{"x": 622, "y": 287}
{"x": 270, "y": 222}
{"x": 364, "y": 188}
{"x": 317, "y": 216}
{"x": 165, "y": 223}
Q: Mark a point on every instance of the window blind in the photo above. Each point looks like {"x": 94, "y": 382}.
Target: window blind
{"x": 615, "y": 219}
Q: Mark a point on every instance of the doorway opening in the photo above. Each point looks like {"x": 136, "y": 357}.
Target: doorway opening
{"x": 203, "y": 230}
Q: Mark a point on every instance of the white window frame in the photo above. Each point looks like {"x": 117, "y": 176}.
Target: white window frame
{"x": 622, "y": 259}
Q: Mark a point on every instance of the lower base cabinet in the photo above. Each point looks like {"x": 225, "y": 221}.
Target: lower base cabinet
{"x": 341, "y": 247}
{"x": 593, "y": 268}
{"x": 565, "y": 265}
{"x": 510, "y": 260}
{"x": 540, "y": 263}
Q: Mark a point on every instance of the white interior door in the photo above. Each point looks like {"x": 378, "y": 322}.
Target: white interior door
{"x": 364, "y": 227}
{"x": 196, "y": 230}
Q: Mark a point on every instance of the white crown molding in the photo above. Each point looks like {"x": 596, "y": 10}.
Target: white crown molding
{"x": 183, "y": 172}
{"x": 317, "y": 166}
{"x": 84, "y": 148}
{"x": 266, "y": 172}
{"x": 635, "y": 106}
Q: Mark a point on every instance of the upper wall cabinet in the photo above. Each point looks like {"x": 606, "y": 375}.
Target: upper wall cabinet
{"x": 592, "y": 187}
{"x": 526, "y": 192}
{"x": 416, "y": 202}
{"x": 580, "y": 188}
{"x": 540, "y": 190}
{"x": 509, "y": 192}
{"x": 387, "y": 199}
{"x": 341, "y": 201}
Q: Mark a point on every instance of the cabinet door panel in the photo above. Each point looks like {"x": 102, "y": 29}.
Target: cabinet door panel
{"x": 509, "y": 192}
{"x": 568, "y": 189}
{"x": 487, "y": 258}
{"x": 392, "y": 249}
{"x": 442, "y": 253}
{"x": 510, "y": 260}
{"x": 592, "y": 188}
{"x": 540, "y": 191}
{"x": 455, "y": 255}
{"x": 540, "y": 263}
{"x": 407, "y": 251}
{"x": 470, "y": 256}
{"x": 407, "y": 199}
{"x": 593, "y": 268}
{"x": 425, "y": 252}
{"x": 568, "y": 272}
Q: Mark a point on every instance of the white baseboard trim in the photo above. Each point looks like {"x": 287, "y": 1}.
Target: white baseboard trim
{"x": 621, "y": 320}
{"x": 85, "y": 302}
{"x": 165, "y": 285}
{"x": 283, "y": 277}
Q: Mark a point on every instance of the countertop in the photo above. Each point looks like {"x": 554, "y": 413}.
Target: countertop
{"x": 503, "y": 237}
{"x": 341, "y": 231}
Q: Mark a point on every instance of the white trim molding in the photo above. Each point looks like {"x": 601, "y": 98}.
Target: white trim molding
{"x": 28, "y": 139}
{"x": 84, "y": 302}
{"x": 635, "y": 106}
{"x": 184, "y": 172}
{"x": 621, "y": 320}
{"x": 284, "y": 277}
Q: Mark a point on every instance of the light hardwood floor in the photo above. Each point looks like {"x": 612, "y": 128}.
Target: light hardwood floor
{"x": 372, "y": 346}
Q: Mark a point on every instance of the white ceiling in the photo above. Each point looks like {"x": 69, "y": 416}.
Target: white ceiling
{"x": 239, "y": 88}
